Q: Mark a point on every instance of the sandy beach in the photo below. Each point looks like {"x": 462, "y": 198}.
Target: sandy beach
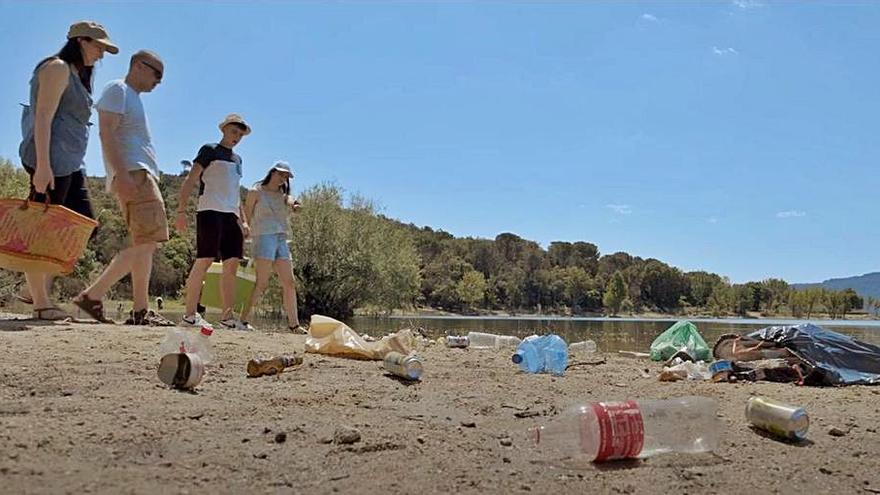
{"x": 82, "y": 411}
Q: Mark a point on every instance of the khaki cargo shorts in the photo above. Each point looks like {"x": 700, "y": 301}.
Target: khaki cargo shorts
{"x": 145, "y": 212}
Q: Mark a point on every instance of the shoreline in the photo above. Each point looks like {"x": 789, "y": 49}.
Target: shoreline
{"x": 83, "y": 411}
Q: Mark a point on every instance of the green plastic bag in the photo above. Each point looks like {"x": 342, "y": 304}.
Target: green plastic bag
{"x": 682, "y": 336}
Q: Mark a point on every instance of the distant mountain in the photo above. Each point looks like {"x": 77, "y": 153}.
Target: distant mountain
{"x": 865, "y": 285}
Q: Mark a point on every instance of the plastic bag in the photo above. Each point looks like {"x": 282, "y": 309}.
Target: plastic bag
{"x": 681, "y": 370}
{"x": 332, "y": 337}
{"x": 682, "y": 336}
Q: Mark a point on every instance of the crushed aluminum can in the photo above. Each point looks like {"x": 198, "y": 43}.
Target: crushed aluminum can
{"x": 721, "y": 370}
{"x": 457, "y": 341}
{"x": 782, "y": 420}
{"x": 404, "y": 366}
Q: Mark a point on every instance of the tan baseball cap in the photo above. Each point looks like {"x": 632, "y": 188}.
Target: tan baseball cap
{"x": 93, "y": 30}
{"x": 234, "y": 118}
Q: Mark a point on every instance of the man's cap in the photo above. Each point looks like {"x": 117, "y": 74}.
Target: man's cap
{"x": 282, "y": 166}
{"x": 234, "y": 118}
{"x": 93, "y": 30}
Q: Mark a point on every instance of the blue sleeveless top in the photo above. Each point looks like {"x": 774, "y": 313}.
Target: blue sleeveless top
{"x": 70, "y": 127}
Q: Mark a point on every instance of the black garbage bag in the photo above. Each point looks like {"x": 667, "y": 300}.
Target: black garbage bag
{"x": 833, "y": 358}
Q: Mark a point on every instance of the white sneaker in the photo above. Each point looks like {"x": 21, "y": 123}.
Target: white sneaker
{"x": 195, "y": 320}
{"x": 233, "y": 323}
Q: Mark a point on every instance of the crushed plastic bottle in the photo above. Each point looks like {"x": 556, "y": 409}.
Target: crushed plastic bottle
{"x": 177, "y": 341}
{"x": 528, "y": 356}
{"x": 480, "y": 340}
{"x": 603, "y": 431}
{"x": 547, "y": 353}
{"x": 583, "y": 347}
{"x": 681, "y": 370}
{"x": 180, "y": 341}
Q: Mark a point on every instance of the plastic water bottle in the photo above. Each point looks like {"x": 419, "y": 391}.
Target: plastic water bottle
{"x": 180, "y": 341}
{"x": 480, "y": 340}
{"x": 584, "y": 347}
{"x": 201, "y": 344}
{"x": 555, "y": 352}
{"x": 547, "y": 353}
{"x": 602, "y": 431}
{"x": 528, "y": 356}
{"x": 177, "y": 342}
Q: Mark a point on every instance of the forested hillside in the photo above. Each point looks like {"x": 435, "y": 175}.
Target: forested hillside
{"x": 347, "y": 256}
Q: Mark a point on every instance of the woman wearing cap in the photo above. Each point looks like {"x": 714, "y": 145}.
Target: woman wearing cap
{"x": 55, "y": 127}
{"x": 266, "y": 208}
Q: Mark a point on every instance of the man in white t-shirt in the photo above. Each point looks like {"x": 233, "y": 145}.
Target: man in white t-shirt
{"x": 132, "y": 175}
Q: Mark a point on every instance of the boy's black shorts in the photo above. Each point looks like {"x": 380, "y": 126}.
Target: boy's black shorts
{"x": 218, "y": 235}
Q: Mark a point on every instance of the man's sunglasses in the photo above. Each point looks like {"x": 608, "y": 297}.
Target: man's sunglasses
{"x": 156, "y": 72}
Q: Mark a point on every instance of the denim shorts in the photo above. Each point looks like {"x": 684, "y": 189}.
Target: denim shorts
{"x": 271, "y": 247}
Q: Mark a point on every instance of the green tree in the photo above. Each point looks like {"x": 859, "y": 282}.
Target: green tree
{"x": 701, "y": 286}
{"x": 742, "y": 299}
{"x": 471, "y": 289}
{"x": 719, "y": 300}
{"x": 615, "y": 293}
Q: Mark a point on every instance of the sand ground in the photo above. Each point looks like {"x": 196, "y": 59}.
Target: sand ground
{"x": 82, "y": 411}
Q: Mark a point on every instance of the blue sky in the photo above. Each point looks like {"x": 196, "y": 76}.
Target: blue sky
{"x": 735, "y": 137}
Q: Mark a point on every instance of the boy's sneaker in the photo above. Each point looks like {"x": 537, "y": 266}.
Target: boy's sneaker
{"x": 195, "y": 320}
{"x": 233, "y": 323}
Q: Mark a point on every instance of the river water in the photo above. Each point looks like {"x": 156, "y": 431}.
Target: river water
{"x": 610, "y": 334}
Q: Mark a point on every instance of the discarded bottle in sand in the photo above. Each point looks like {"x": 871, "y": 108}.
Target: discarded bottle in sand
{"x": 262, "y": 367}
{"x": 603, "y": 431}
{"x": 457, "y": 341}
{"x": 584, "y": 347}
{"x": 407, "y": 366}
{"x": 782, "y": 420}
{"x": 547, "y": 353}
{"x": 480, "y": 340}
{"x": 181, "y": 370}
{"x": 181, "y": 341}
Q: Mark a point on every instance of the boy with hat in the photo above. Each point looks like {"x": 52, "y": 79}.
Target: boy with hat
{"x": 220, "y": 223}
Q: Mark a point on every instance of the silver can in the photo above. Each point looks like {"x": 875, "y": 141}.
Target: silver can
{"x": 404, "y": 366}
{"x": 459, "y": 341}
{"x": 782, "y": 420}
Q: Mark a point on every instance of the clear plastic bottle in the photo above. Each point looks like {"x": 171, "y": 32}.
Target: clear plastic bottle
{"x": 581, "y": 348}
{"x": 201, "y": 344}
{"x": 176, "y": 342}
{"x": 181, "y": 341}
{"x": 480, "y": 340}
{"x": 602, "y": 431}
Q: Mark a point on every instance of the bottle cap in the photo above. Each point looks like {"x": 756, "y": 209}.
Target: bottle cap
{"x": 207, "y": 331}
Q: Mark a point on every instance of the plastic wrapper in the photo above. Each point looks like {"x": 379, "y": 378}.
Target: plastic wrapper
{"x": 334, "y": 338}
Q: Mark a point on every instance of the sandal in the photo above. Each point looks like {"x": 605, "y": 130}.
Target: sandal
{"x": 93, "y": 308}
{"x": 52, "y": 313}
{"x": 26, "y": 299}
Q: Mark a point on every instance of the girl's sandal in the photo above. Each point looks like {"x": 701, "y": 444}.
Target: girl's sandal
{"x": 94, "y": 308}
{"x": 52, "y": 313}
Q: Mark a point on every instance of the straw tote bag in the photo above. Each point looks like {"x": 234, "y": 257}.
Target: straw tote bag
{"x": 41, "y": 238}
